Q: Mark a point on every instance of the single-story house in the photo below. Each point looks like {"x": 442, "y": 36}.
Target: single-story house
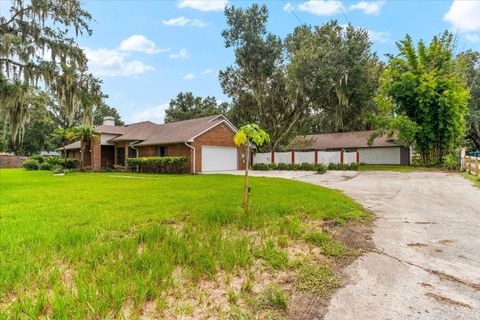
{"x": 207, "y": 142}
{"x": 383, "y": 150}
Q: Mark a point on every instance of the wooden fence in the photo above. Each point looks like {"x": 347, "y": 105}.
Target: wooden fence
{"x": 471, "y": 165}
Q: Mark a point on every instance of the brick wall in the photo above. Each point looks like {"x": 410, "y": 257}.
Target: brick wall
{"x": 221, "y": 136}
{"x": 173, "y": 150}
{"x": 8, "y": 161}
{"x": 96, "y": 155}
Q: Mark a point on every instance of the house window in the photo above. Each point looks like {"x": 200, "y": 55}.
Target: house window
{"x": 121, "y": 156}
{"x": 161, "y": 151}
{"x": 132, "y": 153}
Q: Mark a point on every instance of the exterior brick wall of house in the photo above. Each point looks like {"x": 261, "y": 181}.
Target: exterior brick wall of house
{"x": 96, "y": 155}
{"x": 10, "y": 161}
{"x": 221, "y": 136}
{"x": 173, "y": 150}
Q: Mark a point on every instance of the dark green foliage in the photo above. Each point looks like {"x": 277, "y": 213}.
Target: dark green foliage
{"x": 342, "y": 166}
{"x": 69, "y": 163}
{"x": 31, "y": 164}
{"x": 186, "y": 106}
{"x": 45, "y": 166}
{"x": 158, "y": 164}
{"x": 425, "y": 85}
{"x": 38, "y": 157}
{"x": 319, "y": 167}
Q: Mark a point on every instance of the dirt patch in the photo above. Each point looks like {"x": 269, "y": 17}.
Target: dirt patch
{"x": 449, "y": 277}
{"x": 442, "y": 299}
{"x": 417, "y": 245}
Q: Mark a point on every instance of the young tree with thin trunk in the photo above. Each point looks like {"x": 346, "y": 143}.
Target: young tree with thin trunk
{"x": 246, "y": 134}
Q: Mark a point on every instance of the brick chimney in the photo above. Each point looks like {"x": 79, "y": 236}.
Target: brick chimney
{"x": 108, "y": 121}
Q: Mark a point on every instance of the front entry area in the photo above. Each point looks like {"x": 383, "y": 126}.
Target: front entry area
{"x": 219, "y": 158}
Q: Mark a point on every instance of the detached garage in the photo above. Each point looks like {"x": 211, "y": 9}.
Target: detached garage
{"x": 383, "y": 150}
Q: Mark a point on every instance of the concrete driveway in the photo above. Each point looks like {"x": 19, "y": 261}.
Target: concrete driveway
{"x": 426, "y": 264}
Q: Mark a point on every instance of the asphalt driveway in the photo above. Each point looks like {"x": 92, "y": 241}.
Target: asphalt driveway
{"x": 426, "y": 264}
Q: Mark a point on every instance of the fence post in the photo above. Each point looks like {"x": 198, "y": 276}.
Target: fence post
{"x": 469, "y": 164}
{"x": 316, "y": 156}
{"x": 341, "y": 157}
{"x": 273, "y": 157}
{"x": 476, "y": 166}
{"x": 358, "y": 157}
{"x": 293, "y": 157}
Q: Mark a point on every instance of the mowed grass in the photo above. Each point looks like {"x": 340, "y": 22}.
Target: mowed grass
{"x": 85, "y": 245}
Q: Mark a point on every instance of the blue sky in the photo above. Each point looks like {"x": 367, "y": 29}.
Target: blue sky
{"x": 148, "y": 51}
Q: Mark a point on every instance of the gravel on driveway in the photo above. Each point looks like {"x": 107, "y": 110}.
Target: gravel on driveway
{"x": 426, "y": 264}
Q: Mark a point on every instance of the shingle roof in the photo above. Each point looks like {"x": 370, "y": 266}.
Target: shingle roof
{"x": 340, "y": 140}
{"x": 181, "y": 131}
{"x": 71, "y": 146}
{"x": 149, "y": 133}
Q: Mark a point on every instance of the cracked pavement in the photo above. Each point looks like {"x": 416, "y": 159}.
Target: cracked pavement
{"x": 426, "y": 264}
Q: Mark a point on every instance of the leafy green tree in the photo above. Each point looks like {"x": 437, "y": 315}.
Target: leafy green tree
{"x": 86, "y": 134}
{"x": 64, "y": 135}
{"x": 250, "y": 133}
{"x": 103, "y": 110}
{"x": 335, "y": 69}
{"x": 186, "y": 106}
{"x": 257, "y": 82}
{"x": 37, "y": 47}
{"x": 471, "y": 61}
{"x": 426, "y": 85}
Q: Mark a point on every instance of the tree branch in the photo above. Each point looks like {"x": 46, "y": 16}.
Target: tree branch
{"x": 21, "y": 11}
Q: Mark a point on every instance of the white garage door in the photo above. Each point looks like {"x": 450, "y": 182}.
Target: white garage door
{"x": 218, "y": 158}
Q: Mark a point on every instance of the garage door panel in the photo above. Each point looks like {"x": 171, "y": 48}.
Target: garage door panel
{"x": 219, "y": 158}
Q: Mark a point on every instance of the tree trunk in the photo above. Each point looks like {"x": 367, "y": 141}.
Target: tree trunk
{"x": 246, "y": 193}
{"x": 64, "y": 151}
{"x": 82, "y": 151}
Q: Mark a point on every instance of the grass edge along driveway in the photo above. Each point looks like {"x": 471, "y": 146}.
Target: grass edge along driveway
{"x": 97, "y": 245}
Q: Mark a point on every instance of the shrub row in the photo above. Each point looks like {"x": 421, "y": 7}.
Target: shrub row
{"x": 320, "y": 168}
{"x": 305, "y": 166}
{"x": 158, "y": 164}
{"x": 39, "y": 162}
{"x": 344, "y": 166}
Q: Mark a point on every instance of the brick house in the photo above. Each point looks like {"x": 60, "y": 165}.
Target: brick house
{"x": 207, "y": 142}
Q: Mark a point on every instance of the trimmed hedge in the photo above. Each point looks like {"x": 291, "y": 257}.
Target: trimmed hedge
{"x": 345, "y": 166}
{"x": 158, "y": 164}
{"x": 320, "y": 168}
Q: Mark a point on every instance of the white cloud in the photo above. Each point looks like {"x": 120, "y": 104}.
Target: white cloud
{"x": 185, "y": 22}
{"x": 288, "y": 7}
{"x": 189, "y": 76}
{"x": 112, "y": 63}
{"x": 182, "y": 54}
{"x": 379, "y": 36}
{"x": 464, "y": 15}
{"x": 155, "y": 114}
{"x": 472, "y": 37}
{"x": 208, "y": 71}
{"x": 140, "y": 43}
{"x": 322, "y": 7}
{"x": 203, "y": 5}
{"x": 372, "y": 8}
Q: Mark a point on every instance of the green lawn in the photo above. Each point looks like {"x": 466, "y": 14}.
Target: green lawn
{"x": 396, "y": 168}
{"x": 102, "y": 245}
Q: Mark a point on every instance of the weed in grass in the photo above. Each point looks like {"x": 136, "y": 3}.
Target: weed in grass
{"x": 276, "y": 258}
{"x": 321, "y": 280}
{"x": 291, "y": 226}
{"x": 329, "y": 246}
{"x": 272, "y": 297}
{"x": 232, "y": 297}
